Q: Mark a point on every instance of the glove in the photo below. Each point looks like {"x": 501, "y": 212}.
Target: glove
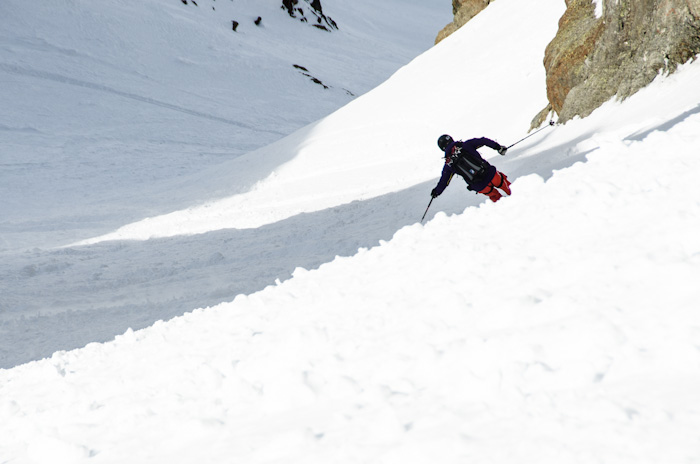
{"x": 502, "y": 151}
{"x": 433, "y": 194}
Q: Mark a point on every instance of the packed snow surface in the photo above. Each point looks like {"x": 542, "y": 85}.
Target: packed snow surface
{"x": 560, "y": 324}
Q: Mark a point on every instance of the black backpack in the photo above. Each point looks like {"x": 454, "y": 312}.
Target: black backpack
{"x": 467, "y": 165}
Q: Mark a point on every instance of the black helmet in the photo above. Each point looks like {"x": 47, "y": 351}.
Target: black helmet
{"x": 444, "y": 141}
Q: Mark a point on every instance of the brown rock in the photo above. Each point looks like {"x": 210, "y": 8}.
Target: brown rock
{"x": 464, "y": 11}
{"x": 594, "y": 59}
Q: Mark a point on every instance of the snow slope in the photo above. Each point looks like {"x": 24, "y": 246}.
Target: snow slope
{"x": 125, "y": 100}
{"x": 558, "y": 325}
{"x": 123, "y": 110}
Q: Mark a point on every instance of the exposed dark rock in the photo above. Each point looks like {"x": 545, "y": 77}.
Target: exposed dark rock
{"x": 305, "y": 72}
{"x": 319, "y": 19}
{"x": 289, "y": 6}
{"x": 316, "y": 5}
{"x": 318, "y": 81}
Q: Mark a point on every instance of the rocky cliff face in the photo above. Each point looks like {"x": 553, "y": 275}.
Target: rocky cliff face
{"x": 606, "y": 48}
{"x": 593, "y": 59}
{"x": 463, "y": 11}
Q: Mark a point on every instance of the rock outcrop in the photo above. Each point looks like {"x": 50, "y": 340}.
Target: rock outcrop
{"x": 463, "y": 11}
{"x": 594, "y": 58}
{"x": 315, "y": 13}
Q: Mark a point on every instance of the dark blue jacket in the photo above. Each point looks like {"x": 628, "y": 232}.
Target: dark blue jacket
{"x": 463, "y": 158}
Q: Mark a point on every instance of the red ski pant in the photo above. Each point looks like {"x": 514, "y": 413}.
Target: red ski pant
{"x": 499, "y": 181}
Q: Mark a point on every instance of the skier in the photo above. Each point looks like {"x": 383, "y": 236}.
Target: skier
{"x": 463, "y": 158}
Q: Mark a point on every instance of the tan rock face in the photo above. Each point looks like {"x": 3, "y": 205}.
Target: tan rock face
{"x": 565, "y": 57}
{"x": 694, "y": 7}
{"x": 594, "y": 59}
{"x": 463, "y": 11}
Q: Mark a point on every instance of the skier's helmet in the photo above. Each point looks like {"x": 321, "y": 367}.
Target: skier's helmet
{"x": 444, "y": 141}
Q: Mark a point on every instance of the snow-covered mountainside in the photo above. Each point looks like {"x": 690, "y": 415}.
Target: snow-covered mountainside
{"x": 109, "y": 108}
{"x": 560, "y": 324}
{"x": 117, "y": 111}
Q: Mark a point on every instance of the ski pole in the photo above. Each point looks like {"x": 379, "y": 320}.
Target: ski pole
{"x": 426, "y": 210}
{"x": 551, "y": 123}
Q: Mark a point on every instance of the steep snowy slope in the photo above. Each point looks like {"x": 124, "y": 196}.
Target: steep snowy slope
{"x": 108, "y": 107}
{"x": 558, "y": 325}
{"x": 478, "y": 90}
{"x": 115, "y": 111}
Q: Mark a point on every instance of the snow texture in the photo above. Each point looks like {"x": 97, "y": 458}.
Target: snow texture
{"x": 598, "y": 8}
{"x": 560, "y": 324}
